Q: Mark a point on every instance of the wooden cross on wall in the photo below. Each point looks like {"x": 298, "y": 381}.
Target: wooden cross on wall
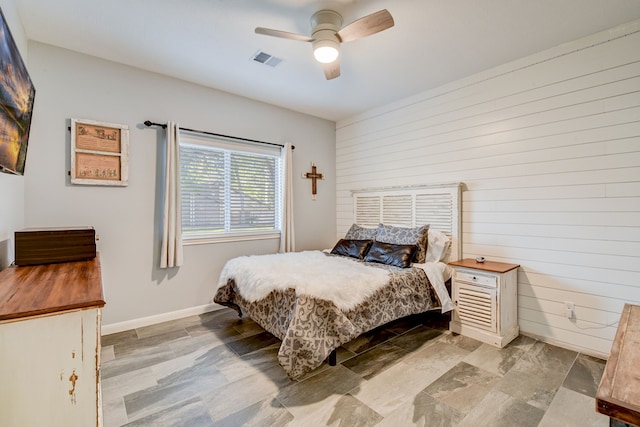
{"x": 314, "y": 176}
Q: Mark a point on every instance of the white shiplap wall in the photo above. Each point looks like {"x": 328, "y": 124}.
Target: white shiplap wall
{"x": 549, "y": 149}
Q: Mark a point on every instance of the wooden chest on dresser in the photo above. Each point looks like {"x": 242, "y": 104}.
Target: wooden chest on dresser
{"x": 485, "y": 296}
{"x": 50, "y": 344}
{"x": 34, "y": 246}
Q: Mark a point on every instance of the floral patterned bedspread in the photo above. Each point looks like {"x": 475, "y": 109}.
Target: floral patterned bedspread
{"x": 310, "y": 328}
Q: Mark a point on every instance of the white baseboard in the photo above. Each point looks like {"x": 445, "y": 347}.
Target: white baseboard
{"x": 566, "y": 346}
{"x": 158, "y": 318}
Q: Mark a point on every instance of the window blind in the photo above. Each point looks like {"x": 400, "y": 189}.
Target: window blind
{"x": 226, "y": 191}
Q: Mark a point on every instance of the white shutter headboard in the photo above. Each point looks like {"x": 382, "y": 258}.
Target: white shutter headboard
{"x": 438, "y": 205}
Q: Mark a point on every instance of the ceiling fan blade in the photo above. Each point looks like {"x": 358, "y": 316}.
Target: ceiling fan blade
{"x": 282, "y": 34}
{"x": 331, "y": 70}
{"x": 366, "y": 26}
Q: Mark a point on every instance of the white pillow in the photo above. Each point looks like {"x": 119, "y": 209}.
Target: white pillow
{"x": 438, "y": 246}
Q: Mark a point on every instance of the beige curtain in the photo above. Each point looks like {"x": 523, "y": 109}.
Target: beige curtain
{"x": 171, "y": 250}
{"x": 287, "y": 237}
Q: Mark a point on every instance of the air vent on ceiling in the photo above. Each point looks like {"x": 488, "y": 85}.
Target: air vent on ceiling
{"x": 265, "y": 58}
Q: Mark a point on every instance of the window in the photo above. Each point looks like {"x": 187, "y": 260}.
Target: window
{"x": 229, "y": 190}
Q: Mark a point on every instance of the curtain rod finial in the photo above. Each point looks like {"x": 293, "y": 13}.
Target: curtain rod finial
{"x": 147, "y": 123}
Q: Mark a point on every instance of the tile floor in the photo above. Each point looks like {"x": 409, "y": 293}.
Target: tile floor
{"x": 218, "y": 370}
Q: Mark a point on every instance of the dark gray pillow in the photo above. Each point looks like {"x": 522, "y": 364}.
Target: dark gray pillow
{"x": 352, "y": 248}
{"x": 418, "y": 236}
{"x": 357, "y": 232}
{"x": 391, "y": 254}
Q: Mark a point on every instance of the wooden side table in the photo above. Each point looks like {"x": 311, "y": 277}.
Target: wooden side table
{"x": 618, "y": 395}
{"x": 486, "y": 301}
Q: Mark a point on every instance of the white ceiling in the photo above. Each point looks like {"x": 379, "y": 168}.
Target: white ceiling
{"x": 212, "y": 42}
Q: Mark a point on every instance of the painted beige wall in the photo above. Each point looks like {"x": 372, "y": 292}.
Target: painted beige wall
{"x": 72, "y": 85}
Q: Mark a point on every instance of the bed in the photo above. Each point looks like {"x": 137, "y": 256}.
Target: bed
{"x": 391, "y": 263}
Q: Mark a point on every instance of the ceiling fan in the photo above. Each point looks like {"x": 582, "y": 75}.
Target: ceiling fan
{"x": 327, "y": 33}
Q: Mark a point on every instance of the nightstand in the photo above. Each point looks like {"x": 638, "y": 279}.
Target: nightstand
{"x": 486, "y": 301}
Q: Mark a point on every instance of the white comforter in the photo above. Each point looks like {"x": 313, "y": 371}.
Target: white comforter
{"x": 307, "y": 272}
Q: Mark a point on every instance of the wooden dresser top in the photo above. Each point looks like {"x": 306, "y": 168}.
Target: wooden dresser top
{"x": 492, "y": 266}
{"x": 50, "y": 288}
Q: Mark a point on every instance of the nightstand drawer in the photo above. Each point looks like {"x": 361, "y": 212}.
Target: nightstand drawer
{"x": 478, "y": 279}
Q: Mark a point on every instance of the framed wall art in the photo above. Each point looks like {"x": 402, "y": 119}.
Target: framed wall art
{"x": 17, "y": 95}
{"x": 99, "y": 153}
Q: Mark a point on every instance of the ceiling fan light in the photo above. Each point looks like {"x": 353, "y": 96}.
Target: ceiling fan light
{"x": 326, "y": 54}
{"x": 326, "y": 51}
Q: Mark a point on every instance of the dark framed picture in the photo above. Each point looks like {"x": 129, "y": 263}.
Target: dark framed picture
{"x": 16, "y": 104}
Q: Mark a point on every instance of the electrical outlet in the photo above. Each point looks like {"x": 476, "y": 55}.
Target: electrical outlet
{"x": 569, "y": 310}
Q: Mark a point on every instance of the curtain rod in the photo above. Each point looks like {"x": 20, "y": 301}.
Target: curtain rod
{"x": 164, "y": 126}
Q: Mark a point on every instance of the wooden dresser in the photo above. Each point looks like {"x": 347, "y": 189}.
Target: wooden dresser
{"x": 50, "y": 344}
